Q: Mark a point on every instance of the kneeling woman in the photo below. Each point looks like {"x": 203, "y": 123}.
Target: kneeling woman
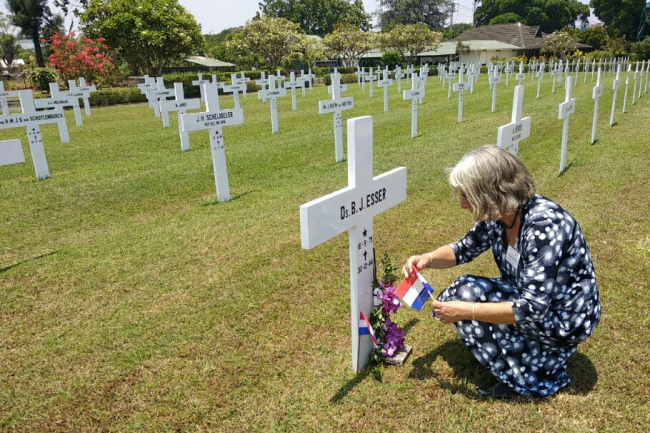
{"x": 524, "y": 326}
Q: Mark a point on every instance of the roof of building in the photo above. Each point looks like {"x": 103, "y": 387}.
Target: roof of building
{"x": 210, "y": 63}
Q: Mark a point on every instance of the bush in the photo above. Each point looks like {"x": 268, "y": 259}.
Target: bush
{"x": 392, "y": 59}
{"x": 42, "y": 77}
{"x": 117, "y": 95}
{"x": 345, "y": 79}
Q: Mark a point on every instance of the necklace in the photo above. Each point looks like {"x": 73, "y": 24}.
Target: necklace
{"x": 513, "y": 221}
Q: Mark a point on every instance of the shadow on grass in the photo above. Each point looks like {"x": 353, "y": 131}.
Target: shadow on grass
{"x": 565, "y": 169}
{"x": 203, "y": 202}
{"x": 5, "y": 269}
{"x": 467, "y": 370}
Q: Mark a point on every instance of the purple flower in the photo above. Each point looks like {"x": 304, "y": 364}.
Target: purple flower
{"x": 393, "y": 338}
{"x": 390, "y": 301}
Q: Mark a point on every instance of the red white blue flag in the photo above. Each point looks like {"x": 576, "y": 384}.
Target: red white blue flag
{"x": 366, "y": 329}
{"x": 414, "y": 291}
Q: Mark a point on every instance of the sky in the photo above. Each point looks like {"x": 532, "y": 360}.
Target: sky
{"x": 217, "y": 15}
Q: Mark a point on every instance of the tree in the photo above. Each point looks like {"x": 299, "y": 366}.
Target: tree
{"x": 621, "y": 17}
{"x": 147, "y": 34}
{"x": 642, "y": 49}
{"x": 349, "y": 43}
{"x": 8, "y": 46}
{"x": 618, "y": 46}
{"x": 550, "y": 15}
{"x": 317, "y": 17}
{"x": 75, "y": 57}
{"x": 270, "y": 38}
{"x": 311, "y": 48}
{"x": 433, "y": 13}
{"x": 559, "y": 45}
{"x": 409, "y": 40}
{"x": 30, "y": 16}
{"x": 456, "y": 30}
{"x": 597, "y": 37}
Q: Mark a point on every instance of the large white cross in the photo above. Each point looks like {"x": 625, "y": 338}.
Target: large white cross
{"x": 214, "y": 120}
{"x": 596, "y": 94}
{"x": 370, "y": 78}
{"x": 56, "y": 104}
{"x": 627, "y": 85}
{"x": 242, "y": 80}
{"x": 422, "y": 78}
{"x": 459, "y": 87}
{"x": 385, "y": 82}
{"x": 234, "y": 88}
{"x": 352, "y": 209}
{"x": 615, "y": 86}
{"x": 86, "y": 91}
{"x": 161, "y": 95}
{"x": 180, "y": 105}
{"x": 31, "y": 119}
{"x": 336, "y": 105}
{"x": 292, "y": 84}
{"x": 264, "y": 82}
{"x": 66, "y": 99}
{"x": 494, "y": 80}
{"x": 413, "y": 95}
{"x": 566, "y": 109}
{"x": 200, "y": 82}
{"x": 509, "y": 135}
{"x": 11, "y": 152}
{"x": 145, "y": 86}
{"x": 272, "y": 93}
{"x": 4, "y": 94}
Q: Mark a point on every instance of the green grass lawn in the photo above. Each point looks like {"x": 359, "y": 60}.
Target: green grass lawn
{"x": 130, "y": 300}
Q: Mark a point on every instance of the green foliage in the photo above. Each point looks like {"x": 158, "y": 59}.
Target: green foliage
{"x": 318, "y": 17}
{"x": 349, "y": 43}
{"x": 392, "y": 59}
{"x": 409, "y": 40}
{"x": 31, "y": 16}
{"x": 272, "y": 39}
{"x": 505, "y": 19}
{"x": 558, "y": 45}
{"x": 433, "y": 13}
{"x": 550, "y": 15}
{"x": 345, "y": 79}
{"x": 456, "y": 30}
{"x": 147, "y": 34}
{"x": 618, "y": 47}
{"x": 116, "y": 95}
{"x": 42, "y": 77}
{"x": 621, "y": 17}
{"x": 597, "y": 37}
{"x": 642, "y": 49}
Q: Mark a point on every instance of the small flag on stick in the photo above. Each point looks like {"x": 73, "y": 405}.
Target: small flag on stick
{"x": 366, "y": 329}
{"x": 414, "y": 291}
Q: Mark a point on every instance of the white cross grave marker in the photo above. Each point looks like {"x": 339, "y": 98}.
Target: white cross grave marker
{"x": 398, "y": 76}
{"x": 31, "y": 119}
{"x": 509, "y": 135}
{"x": 242, "y": 80}
{"x": 4, "y": 94}
{"x": 234, "y": 88}
{"x": 161, "y": 95}
{"x": 263, "y": 81}
{"x": 566, "y": 109}
{"x": 385, "y": 83}
{"x": 336, "y": 105}
{"x": 64, "y": 99}
{"x": 494, "y": 80}
{"x": 342, "y": 88}
{"x": 309, "y": 77}
{"x": 370, "y": 78}
{"x": 303, "y": 80}
{"x": 459, "y": 87}
{"x": 200, "y": 82}
{"x": 508, "y": 70}
{"x": 615, "y": 86}
{"x": 273, "y": 94}
{"x": 641, "y": 79}
{"x": 86, "y": 91}
{"x": 352, "y": 209}
{"x": 627, "y": 84}
{"x": 214, "y": 119}
{"x": 11, "y": 152}
{"x": 145, "y": 86}
{"x": 413, "y": 95}
{"x": 180, "y": 105}
{"x": 292, "y": 84}
{"x": 540, "y": 76}
{"x": 450, "y": 78}
{"x": 56, "y": 104}
{"x": 596, "y": 94}
{"x": 636, "y": 76}
{"x": 647, "y": 72}
{"x": 520, "y": 76}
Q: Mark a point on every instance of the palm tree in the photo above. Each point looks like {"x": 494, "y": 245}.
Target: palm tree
{"x": 30, "y": 16}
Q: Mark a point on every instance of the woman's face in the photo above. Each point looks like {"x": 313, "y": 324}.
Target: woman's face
{"x": 464, "y": 203}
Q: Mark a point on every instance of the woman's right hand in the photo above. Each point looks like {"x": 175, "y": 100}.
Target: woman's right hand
{"x": 415, "y": 264}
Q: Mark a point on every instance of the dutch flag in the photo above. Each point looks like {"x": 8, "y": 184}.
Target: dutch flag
{"x": 365, "y": 328}
{"x": 414, "y": 291}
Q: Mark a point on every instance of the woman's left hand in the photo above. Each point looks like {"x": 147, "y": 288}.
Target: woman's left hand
{"x": 452, "y": 311}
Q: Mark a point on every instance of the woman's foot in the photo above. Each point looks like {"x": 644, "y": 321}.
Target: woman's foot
{"x": 500, "y": 390}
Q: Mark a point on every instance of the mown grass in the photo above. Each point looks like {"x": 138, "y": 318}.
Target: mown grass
{"x": 130, "y": 300}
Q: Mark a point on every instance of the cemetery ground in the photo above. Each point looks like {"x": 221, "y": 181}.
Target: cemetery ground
{"x": 131, "y": 300}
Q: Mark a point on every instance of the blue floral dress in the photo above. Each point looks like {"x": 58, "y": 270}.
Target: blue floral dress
{"x": 552, "y": 291}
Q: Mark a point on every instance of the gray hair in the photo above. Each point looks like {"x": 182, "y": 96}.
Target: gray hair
{"x": 494, "y": 181}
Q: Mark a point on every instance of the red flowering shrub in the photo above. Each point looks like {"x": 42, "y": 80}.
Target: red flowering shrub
{"x": 75, "y": 57}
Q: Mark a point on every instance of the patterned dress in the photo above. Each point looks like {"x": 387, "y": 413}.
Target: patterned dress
{"x": 552, "y": 291}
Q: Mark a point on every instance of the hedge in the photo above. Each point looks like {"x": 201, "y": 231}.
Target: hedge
{"x": 117, "y": 95}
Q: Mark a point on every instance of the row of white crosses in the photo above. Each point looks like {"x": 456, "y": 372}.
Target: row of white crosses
{"x": 352, "y": 209}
